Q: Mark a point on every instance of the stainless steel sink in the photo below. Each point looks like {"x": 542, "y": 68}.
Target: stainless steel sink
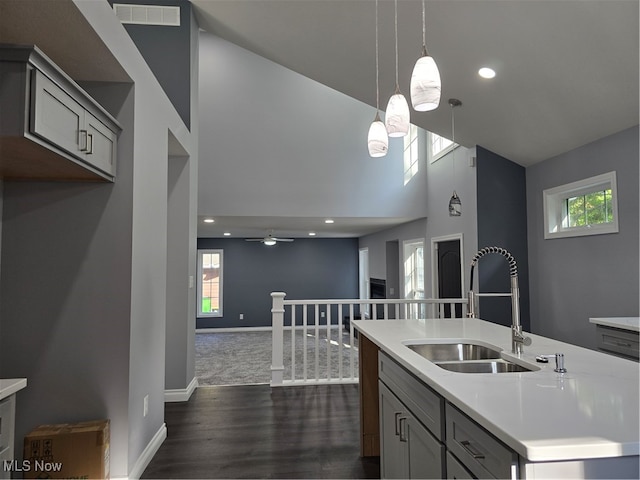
{"x": 446, "y": 352}
{"x": 493, "y": 366}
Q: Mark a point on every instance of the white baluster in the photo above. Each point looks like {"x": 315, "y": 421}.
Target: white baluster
{"x": 328, "y": 341}
{"x": 277, "y": 324}
{"x": 304, "y": 341}
{"x": 293, "y": 342}
{"x": 317, "y": 331}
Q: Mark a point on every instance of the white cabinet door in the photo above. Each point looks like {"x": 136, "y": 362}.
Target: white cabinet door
{"x": 426, "y": 454}
{"x": 393, "y": 453}
{"x": 100, "y": 149}
{"x": 55, "y": 116}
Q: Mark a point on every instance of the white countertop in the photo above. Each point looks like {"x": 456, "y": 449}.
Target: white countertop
{"x": 625, "y": 323}
{"x": 592, "y": 411}
{"x": 9, "y": 386}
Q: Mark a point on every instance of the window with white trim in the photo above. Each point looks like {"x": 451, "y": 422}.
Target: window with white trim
{"x": 411, "y": 153}
{"x": 585, "y": 207}
{"x": 438, "y": 146}
{"x": 414, "y": 275}
{"x": 209, "y": 283}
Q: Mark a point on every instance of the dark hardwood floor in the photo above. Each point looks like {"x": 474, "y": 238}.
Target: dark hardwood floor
{"x": 253, "y": 431}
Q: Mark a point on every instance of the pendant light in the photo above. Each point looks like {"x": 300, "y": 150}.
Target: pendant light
{"x": 425, "y": 79}
{"x": 455, "y": 205}
{"x": 397, "y": 115}
{"x": 378, "y": 140}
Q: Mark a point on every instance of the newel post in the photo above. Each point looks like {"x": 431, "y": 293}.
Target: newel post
{"x": 277, "y": 335}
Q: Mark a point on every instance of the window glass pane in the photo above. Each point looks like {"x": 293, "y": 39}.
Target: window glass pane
{"x": 210, "y": 286}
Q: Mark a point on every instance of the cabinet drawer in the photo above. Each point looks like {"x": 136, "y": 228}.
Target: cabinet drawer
{"x": 618, "y": 341}
{"x": 7, "y": 413}
{"x": 425, "y": 404}
{"x": 479, "y": 451}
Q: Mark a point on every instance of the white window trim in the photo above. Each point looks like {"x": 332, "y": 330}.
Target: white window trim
{"x": 445, "y": 151}
{"x": 201, "y": 252}
{"x": 554, "y": 210}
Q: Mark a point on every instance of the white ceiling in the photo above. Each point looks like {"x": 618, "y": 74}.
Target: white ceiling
{"x": 567, "y": 70}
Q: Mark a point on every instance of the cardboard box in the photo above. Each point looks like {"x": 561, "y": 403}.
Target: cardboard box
{"x": 79, "y": 450}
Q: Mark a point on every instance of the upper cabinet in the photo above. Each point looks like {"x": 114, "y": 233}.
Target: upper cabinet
{"x": 50, "y": 128}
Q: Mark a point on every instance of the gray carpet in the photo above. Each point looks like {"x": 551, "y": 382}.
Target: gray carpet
{"x": 245, "y": 358}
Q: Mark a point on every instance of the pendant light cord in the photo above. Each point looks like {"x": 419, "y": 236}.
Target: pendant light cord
{"x": 424, "y": 27}
{"x": 377, "y": 69}
{"x": 396, "y": 22}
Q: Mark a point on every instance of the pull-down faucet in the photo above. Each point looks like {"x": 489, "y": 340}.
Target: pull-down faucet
{"x": 518, "y": 339}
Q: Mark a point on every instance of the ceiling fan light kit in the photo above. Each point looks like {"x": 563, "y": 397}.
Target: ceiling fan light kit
{"x": 269, "y": 240}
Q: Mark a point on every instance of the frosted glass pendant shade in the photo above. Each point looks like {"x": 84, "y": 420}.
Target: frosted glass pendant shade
{"x": 425, "y": 84}
{"x": 378, "y": 141}
{"x": 455, "y": 205}
{"x": 397, "y": 115}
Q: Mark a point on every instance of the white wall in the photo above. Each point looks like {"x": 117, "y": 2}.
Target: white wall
{"x": 271, "y": 137}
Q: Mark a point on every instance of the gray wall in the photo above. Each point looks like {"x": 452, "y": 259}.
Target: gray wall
{"x": 502, "y": 222}
{"x": 165, "y": 51}
{"x": 267, "y": 129}
{"x": 573, "y": 279}
{"x": 84, "y": 272}
{"x": 318, "y": 268}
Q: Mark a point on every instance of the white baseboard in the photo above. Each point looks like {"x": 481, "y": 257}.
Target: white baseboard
{"x": 233, "y": 329}
{"x": 148, "y": 453}
{"x": 181, "y": 394}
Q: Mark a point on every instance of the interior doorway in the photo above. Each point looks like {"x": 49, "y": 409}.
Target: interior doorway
{"x": 447, "y": 255}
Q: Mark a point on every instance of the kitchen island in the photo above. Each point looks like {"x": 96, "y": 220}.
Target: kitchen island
{"x": 581, "y": 424}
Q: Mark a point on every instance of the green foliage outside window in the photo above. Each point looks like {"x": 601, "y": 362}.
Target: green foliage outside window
{"x": 590, "y": 209}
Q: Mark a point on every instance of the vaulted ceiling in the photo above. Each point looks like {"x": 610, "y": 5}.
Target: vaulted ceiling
{"x": 567, "y": 70}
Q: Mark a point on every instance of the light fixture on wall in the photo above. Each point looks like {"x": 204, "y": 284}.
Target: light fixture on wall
{"x": 397, "y": 116}
{"x": 425, "y": 79}
{"x": 455, "y": 205}
{"x": 378, "y": 139}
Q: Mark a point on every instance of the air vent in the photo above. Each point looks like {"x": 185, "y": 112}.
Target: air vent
{"x": 148, "y": 14}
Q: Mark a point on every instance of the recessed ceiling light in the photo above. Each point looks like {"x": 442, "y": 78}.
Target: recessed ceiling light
{"x": 328, "y": 220}
{"x": 486, "y": 72}
{"x": 209, "y": 220}
{"x": 312, "y": 234}
{"x": 227, "y": 234}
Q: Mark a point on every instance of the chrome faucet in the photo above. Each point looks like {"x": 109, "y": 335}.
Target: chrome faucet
{"x": 518, "y": 339}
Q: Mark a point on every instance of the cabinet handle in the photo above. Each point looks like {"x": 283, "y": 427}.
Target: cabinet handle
{"x": 89, "y": 144}
{"x": 466, "y": 444}
{"x": 397, "y": 417}
{"x": 83, "y": 140}
{"x": 403, "y": 436}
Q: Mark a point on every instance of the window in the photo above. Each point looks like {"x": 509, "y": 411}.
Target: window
{"x": 411, "y": 154}
{"x": 414, "y": 275}
{"x": 585, "y": 207}
{"x": 210, "y": 283}
{"x": 439, "y": 146}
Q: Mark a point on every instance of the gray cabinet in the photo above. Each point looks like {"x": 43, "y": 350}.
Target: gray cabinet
{"x": 410, "y": 425}
{"x": 51, "y": 128}
{"x": 479, "y": 452}
{"x": 620, "y": 342}
{"x": 7, "y": 428}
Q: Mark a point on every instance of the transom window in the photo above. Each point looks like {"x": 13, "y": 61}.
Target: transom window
{"x": 411, "y": 154}
{"x": 585, "y": 207}
{"x": 439, "y": 146}
{"x": 209, "y": 283}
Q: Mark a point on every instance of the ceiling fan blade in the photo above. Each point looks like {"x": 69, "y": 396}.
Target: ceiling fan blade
{"x": 254, "y": 239}
{"x": 282, "y": 239}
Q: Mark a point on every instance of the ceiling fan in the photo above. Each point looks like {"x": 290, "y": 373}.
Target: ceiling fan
{"x": 269, "y": 239}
